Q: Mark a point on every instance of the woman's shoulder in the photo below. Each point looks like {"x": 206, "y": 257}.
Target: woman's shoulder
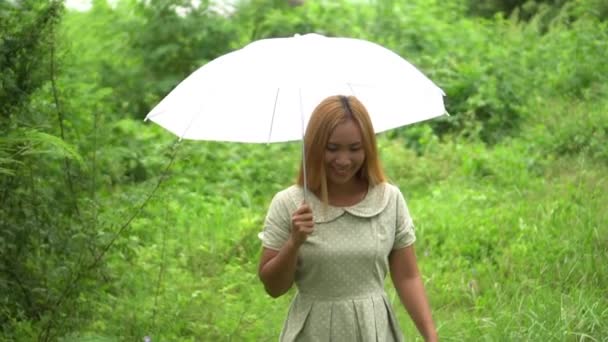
{"x": 377, "y": 199}
{"x": 385, "y": 190}
{"x": 388, "y": 194}
{"x": 391, "y": 189}
{"x": 387, "y": 186}
{"x": 290, "y": 195}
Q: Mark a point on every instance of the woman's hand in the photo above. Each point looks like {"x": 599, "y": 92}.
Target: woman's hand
{"x": 302, "y": 224}
{"x": 277, "y": 268}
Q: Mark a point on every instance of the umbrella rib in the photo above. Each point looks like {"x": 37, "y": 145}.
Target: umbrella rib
{"x": 274, "y": 109}
{"x": 200, "y": 110}
{"x": 352, "y": 91}
{"x": 154, "y": 114}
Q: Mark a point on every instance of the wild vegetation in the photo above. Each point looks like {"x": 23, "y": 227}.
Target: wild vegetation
{"x": 112, "y": 230}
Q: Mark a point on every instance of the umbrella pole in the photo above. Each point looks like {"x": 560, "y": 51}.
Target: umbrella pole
{"x": 303, "y": 147}
{"x": 304, "y": 169}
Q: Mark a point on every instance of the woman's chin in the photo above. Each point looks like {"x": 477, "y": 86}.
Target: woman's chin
{"x": 338, "y": 179}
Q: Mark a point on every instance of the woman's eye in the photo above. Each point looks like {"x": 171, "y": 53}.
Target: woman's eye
{"x": 332, "y": 148}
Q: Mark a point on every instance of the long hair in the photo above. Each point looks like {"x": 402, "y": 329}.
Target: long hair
{"x": 327, "y": 115}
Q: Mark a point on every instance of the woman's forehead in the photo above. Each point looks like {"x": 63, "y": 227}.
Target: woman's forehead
{"x": 347, "y": 133}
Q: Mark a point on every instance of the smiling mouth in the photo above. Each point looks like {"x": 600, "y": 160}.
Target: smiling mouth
{"x": 341, "y": 172}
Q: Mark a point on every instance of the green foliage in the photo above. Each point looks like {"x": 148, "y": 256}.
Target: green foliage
{"x": 25, "y": 36}
{"x": 525, "y": 8}
{"x": 490, "y": 69}
{"x": 36, "y": 211}
{"x": 528, "y": 9}
{"x": 172, "y": 45}
{"x": 504, "y": 238}
{"x": 43, "y": 143}
{"x": 141, "y": 50}
{"x": 113, "y": 231}
{"x": 571, "y": 128}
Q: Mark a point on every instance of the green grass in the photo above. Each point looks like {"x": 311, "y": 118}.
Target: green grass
{"x": 513, "y": 263}
{"x": 512, "y": 237}
{"x": 512, "y": 243}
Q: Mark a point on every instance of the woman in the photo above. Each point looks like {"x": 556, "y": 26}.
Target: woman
{"x": 337, "y": 241}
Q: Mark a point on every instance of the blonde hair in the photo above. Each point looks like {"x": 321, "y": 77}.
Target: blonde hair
{"x": 331, "y": 112}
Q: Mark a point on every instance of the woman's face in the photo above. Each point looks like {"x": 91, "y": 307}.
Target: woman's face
{"x": 344, "y": 153}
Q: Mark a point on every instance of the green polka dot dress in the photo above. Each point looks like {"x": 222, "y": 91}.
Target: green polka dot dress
{"x": 342, "y": 266}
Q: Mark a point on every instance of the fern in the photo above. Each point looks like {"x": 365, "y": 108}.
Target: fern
{"x": 40, "y": 143}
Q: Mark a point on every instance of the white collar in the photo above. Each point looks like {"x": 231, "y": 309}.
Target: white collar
{"x": 372, "y": 204}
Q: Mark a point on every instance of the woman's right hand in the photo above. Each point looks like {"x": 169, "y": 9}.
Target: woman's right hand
{"x": 302, "y": 224}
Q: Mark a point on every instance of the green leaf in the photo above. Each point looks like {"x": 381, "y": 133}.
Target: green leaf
{"x": 44, "y": 143}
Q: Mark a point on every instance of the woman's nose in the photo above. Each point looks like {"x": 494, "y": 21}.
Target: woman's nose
{"x": 342, "y": 160}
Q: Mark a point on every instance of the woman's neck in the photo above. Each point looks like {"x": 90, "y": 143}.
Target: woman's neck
{"x": 351, "y": 193}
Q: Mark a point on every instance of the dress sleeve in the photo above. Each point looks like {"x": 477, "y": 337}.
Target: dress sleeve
{"x": 404, "y": 233}
{"x": 277, "y": 225}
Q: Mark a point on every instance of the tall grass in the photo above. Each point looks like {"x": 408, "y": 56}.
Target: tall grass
{"x": 509, "y": 199}
{"x": 512, "y": 242}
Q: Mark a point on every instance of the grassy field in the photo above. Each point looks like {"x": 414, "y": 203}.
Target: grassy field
{"x": 508, "y": 194}
{"x": 512, "y": 242}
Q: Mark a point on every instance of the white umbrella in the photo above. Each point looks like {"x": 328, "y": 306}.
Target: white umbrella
{"x": 266, "y": 91}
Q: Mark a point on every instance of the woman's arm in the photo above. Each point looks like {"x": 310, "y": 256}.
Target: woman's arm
{"x": 408, "y": 283}
{"x": 277, "y": 268}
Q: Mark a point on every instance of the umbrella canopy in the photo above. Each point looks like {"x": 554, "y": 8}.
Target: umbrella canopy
{"x": 266, "y": 91}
